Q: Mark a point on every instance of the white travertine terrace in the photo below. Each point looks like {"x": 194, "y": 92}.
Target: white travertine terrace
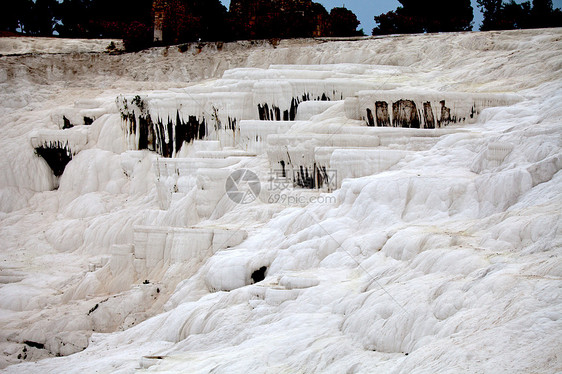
{"x": 422, "y": 237}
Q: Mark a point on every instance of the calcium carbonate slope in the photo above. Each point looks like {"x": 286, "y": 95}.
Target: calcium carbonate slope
{"x": 368, "y": 248}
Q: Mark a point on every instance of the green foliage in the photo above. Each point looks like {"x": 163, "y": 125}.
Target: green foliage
{"x": 543, "y": 15}
{"x": 516, "y": 16}
{"x": 193, "y": 20}
{"x": 184, "y": 20}
{"x": 416, "y": 16}
{"x": 37, "y": 18}
{"x": 343, "y": 22}
{"x": 493, "y": 17}
{"x": 137, "y": 36}
{"x": 395, "y": 22}
{"x": 511, "y": 15}
{"x": 75, "y": 18}
{"x": 268, "y": 19}
{"x": 15, "y": 14}
{"x": 102, "y": 18}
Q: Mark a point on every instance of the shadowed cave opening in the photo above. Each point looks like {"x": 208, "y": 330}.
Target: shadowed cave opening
{"x": 259, "y": 275}
{"x": 34, "y": 344}
{"x": 67, "y": 124}
{"x": 56, "y": 155}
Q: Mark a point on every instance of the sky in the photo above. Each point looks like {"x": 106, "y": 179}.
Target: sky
{"x": 367, "y": 9}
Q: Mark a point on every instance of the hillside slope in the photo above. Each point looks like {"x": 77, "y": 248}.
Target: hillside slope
{"x": 388, "y": 204}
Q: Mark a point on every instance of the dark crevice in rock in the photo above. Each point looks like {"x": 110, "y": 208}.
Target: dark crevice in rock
{"x": 405, "y": 114}
{"x": 273, "y": 113}
{"x": 269, "y": 114}
{"x": 34, "y": 344}
{"x": 308, "y": 177}
{"x": 383, "y": 119}
{"x": 66, "y": 123}
{"x": 305, "y": 178}
{"x": 165, "y": 138}
{"x": 57, "y": 155}
{"x": 93, "y": 309}
{"x": 445, "y": 115}
{"x": 146, "y": 134}
{"x": 370, "y": 118}
{"x": 259, "y": 275}
{"x": 283, "y": 170}
{"x": 318, "y": 177}
{"x": 428, "y": 116}
{"x": 323, "y": 178}
{"x": 187, "y": 132}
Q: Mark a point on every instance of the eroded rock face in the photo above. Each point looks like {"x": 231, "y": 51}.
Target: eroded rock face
{"x": 405, "y": 114}
{"x": 446, "y": 115}
{"x": 57, "y": 156}
{"x": 428, "y": 115}
{"x": 451, "y": 221}
{"x": 382, "y": 113}
{"x": 421, "y": 110}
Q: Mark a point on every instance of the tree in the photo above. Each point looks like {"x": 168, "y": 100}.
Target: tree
{"x": 15, "y": 14}
{"x": 505, "y": 16}
{"x": 543, "y": 14}
{"x": 137, "y": 36}
{"x": 492, "y": 11}
{"x": 75, "y": 19}
{"x": 395, "y": 22}
{"x": 447, "y": 16}
{"x": 343, "y": 22}
{"x": 516, "y": 16}
{"x": 263, "y": 19}
{"x": 302, "y": 20}
{"x": 428, "y": 16}
{"x": 191, "y": 20}
{"x": 41, "y": 18}
{"x": 214, "y": 18}
{"x": 542, "y": 7}
{"x": 102, "y": 18}
{"x": 37, "y": 17}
